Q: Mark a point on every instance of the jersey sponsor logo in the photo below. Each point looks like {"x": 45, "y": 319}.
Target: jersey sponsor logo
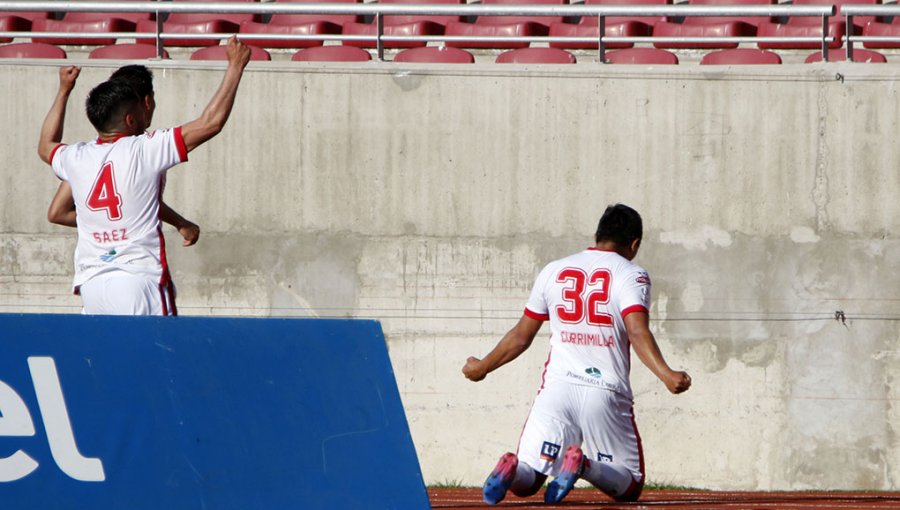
{"x": 643, "y": 279}
{"x": 108, "y": 256}
{"x": 593, "y": 372}
{"x": 604, "y": 457}
{"x": 550, "y": 451}
{"x": 16, "y": 421}
{"x": 592, "y": 339}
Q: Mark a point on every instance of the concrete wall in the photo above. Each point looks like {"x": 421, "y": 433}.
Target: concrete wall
{"x": 429, "y": 198}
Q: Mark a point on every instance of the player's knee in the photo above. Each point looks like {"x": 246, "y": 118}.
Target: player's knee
{"x": 632, "y": 494}
{"x": 539, "y": 479}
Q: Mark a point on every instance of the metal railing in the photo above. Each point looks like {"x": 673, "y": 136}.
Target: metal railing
{"x": 880, "y": 11}
{"x": 379, "y": 11}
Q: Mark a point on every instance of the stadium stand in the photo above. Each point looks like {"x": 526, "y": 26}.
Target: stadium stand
{"x": 20, "y": 21}
{"x": 740, "y": 56}
{"x": 536, "y": 56}
{"x": 298, "y": 24}
{"x": 31, "y": 50}
{"x": 710, "y": 26}
{"x": 221, "y": 53}
{"x": 802, "y": 26}
{"x": 332, "y": 54}
{"x": 504, "y": 26}
{"x": 647, "y": 56}
{"x": 128, "y": 51}
{"x": 439, "y": 54}
{"x": 862, "y": 56}
{"x": 402, "y": 25}
{"x": 197, "y": 23}
{"x": 616, "y": 26}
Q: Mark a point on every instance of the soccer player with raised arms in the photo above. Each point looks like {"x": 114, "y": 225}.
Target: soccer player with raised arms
{"x": 581, "y": 424}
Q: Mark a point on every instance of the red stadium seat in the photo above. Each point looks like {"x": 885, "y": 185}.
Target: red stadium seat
{"x": 62, "y": 27}
{"x": 221, "y": 53}
{"x": 197, "y": 23}
{"x": 31, "y": 50}
{"x": 442, "y": 54}
{"x": 402, "y": 25}
{"x": 332, "y": 54}
{"x": 864, "y": 56}
{"x": 536, "y": 56}
{"x": 19, "y": 21}
{"x": 297, "y": 24}
{"x": 710, "y": 26}
{"x": 616, "y": 26}
{"x": 126, "y": 52}
{"x": 811, "y": 26}
{"x": 879, "y": 29}
{"x": 740, "y": 56}
{"x": 504, "y": 26}
{"x": 646, "y": 56}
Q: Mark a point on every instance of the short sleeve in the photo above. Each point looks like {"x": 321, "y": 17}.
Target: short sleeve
{"x": 56, "y": 162}
{"x": 635, "y": 293}
{"x": 162, "y": 149}
{"x": 537, "y": 303}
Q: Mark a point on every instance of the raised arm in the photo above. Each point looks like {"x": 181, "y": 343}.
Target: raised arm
{"x": 214, "y": 116}
{"x": 516, "y": 341}
{"x": 637, "y": 324}
{"x": 52, "y": 129}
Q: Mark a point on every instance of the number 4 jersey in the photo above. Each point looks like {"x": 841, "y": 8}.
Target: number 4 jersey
{"x": 586, "y": 297}
{"x": 117, "y": 187}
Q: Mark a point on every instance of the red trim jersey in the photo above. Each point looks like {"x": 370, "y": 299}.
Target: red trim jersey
{"x": 585, "y": 297}
{"x": 117, "y": 188}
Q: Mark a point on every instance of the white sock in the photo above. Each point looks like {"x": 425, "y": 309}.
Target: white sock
{"x": 524, "y": 478}
{"x": 613, "y": 479}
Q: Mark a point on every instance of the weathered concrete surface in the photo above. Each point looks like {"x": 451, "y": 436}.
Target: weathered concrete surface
{"x": 430, "y": 197}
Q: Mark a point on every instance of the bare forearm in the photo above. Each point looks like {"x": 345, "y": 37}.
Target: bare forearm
{"x": 647, "y": 350}
{"x": 516, "y": 341}
{"x": 168, "y": 215}
{"x": 52, "y": 128}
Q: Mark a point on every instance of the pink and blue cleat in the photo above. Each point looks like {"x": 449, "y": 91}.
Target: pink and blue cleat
{"x": 572, "y": 468}
{"x": 500, "y": 479}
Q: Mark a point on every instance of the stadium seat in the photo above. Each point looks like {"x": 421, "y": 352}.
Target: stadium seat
{"x": 646, "y": 56}
{"x": 536, "y": 56}
{"x": 442, "y": 54}
{"x": 740, "y": 56}
{"x": 128, "y": 51}
{"x": 504, "y": 26}
{"x": 19, "y": 21}
{"x": 811, "y": 26}
{"x": 31, "y": 50}
{"x": 197, "y": 23}
{"x": 881, "y": 29}
{"x": 332, "y": 54}
{"x": 402, "y": 25}
{"x": 221, "y": 53}
{"x": 97, "y": 25}
{"x": 297, "y": 24}
{"x": 616, "y": 26}
{"x": 710, "y": 26}
{"x": 863, "y": 56}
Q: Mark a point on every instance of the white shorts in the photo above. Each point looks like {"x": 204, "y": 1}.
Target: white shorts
{"x": 599, "y": 420}
{"x": 121, "y": 293}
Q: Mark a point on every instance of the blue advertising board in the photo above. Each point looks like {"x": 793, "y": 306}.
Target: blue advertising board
{"x": 201, "y": 413}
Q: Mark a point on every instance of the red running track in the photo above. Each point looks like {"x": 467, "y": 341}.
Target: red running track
{"x": 452, "y": 499}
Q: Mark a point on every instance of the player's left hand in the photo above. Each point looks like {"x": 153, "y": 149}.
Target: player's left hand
{"x": 472, "y": 369}
{"x": 678, "y": 382}
{"x": 190, "y": 232}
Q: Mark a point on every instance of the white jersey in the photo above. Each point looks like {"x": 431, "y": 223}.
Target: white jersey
{"x": 117, "y": 187}
{"x": 585, "y": 297}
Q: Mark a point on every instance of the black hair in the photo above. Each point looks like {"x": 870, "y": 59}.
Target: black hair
{"x": 138, "y": 76}
{"x": 107, "y": 104}
{"x": 620, "y": 224}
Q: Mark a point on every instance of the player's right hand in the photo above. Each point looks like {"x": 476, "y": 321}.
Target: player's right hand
{"x": 67, "y": 77}
{"x": 678, "y": 382}
{"x": 190, "y": 232}
{"x": 472, "y": 369}
{"x": 238, "y": 52}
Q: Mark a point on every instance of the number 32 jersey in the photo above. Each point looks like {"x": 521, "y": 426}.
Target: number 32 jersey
{"x": 117, "y": 187}
{"x": 586, "y": 297}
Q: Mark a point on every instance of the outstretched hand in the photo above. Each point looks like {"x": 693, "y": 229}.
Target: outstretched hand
{"x": 238, "y": 52}
{"x": 67, "y": 77}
